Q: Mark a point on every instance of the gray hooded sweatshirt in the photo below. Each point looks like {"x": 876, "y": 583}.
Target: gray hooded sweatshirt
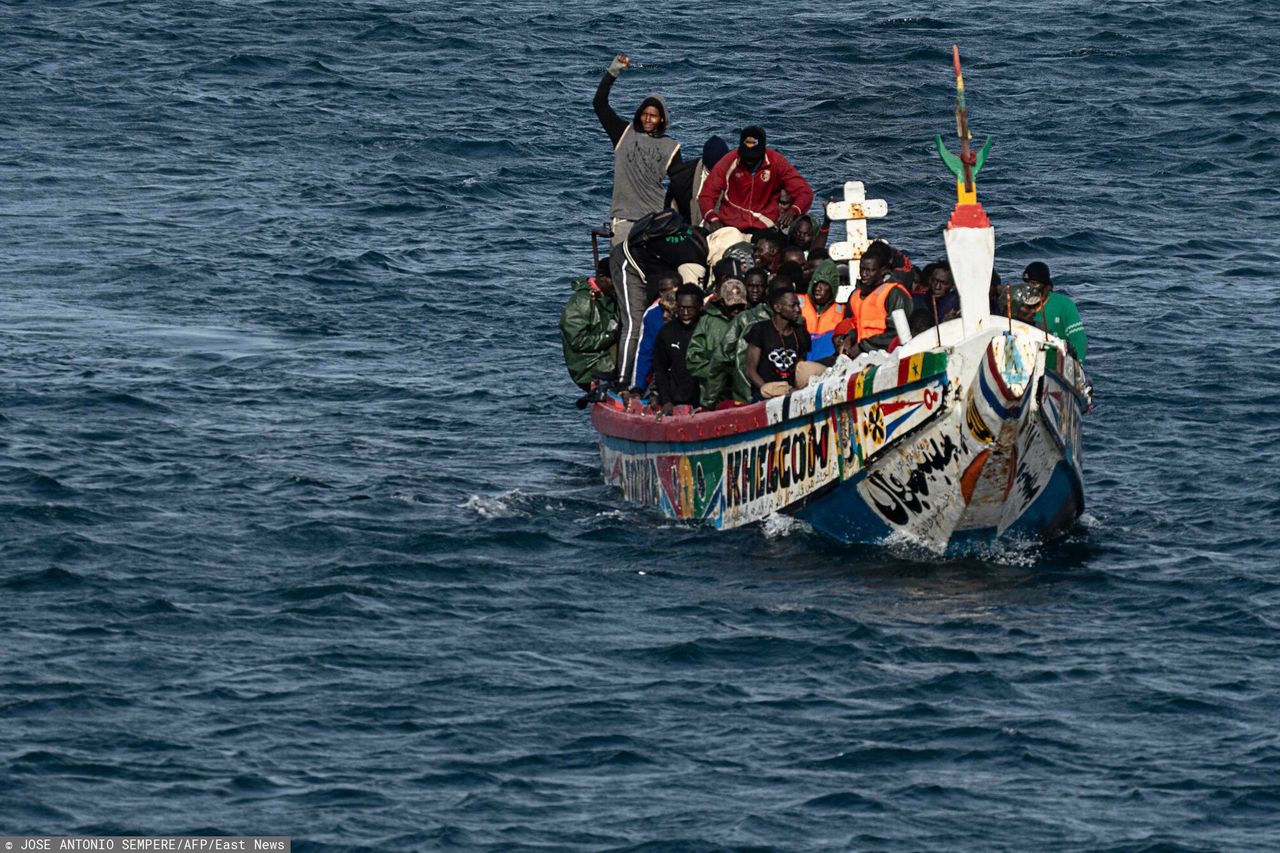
{"x": 641, "y": 162}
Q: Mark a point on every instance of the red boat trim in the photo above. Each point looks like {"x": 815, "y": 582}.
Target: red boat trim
{"x": 678, "y": 428}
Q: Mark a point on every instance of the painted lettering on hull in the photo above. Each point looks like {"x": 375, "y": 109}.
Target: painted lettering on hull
{"x": 777, "y": 464}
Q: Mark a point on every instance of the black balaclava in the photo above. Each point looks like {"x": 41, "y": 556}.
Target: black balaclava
{"x": 751, "y": 146}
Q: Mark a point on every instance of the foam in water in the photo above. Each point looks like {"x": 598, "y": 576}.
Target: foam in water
{"x": 512, "y": 504}
{"x": 778, "y": 526}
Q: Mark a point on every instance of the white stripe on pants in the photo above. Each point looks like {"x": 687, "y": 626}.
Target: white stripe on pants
{"x": 630, "y": 292}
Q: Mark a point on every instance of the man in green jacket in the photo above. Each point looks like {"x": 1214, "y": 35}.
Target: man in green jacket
{"x": 589, "y": 328}
{"x": 733, "y": 349}
{"x": 1056, "y": 313}
{"x": 703, "y": 358}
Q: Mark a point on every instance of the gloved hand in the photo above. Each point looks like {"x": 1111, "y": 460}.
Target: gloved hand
{"x": 619, "y": 62}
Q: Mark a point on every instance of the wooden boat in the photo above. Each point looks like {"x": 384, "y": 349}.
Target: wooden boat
{"x": 967, "y": 433}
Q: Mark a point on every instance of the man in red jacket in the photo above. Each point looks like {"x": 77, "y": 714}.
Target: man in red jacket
{"x": 744, "y": 188}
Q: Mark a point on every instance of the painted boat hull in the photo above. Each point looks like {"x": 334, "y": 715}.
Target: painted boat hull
{"x": 972, "y": 440}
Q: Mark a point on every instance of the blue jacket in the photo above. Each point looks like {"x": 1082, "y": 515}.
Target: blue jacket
{"x": 650, "y": 325}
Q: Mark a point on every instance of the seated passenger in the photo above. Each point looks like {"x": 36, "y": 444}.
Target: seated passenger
{"x": 1057, "y": 313}
{"x": 768, "y": 250}
{"x": 687, "y": 178}
{"x": 794, "y": 254}
{"x": 938, "y": 301}
{"x": 816, "y": 254}
{"x": 703, "y": 358}
{"x": 792, "y": 274}
{"x": 674, "y": 384}
{"x": 776, "y": 349}
{"x": 820, "y": 312}
{"x": 589, "y": 328}
{"x": 655, "y": 317}
{"x": 757, "y": 281}
{"x": 733, "y": 347}
{"x": 744, "y": 189}
{"x": 876, "y": 298}
{"x": 727, "y": 268}
{"x": 846, "y": 338}
{"x": 807, "y": 234}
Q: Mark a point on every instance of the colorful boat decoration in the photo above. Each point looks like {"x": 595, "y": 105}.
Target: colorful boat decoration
{"x": 965, "y": 434}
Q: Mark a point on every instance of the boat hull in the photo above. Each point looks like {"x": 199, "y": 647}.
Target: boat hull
{"x": 952, "y": 447}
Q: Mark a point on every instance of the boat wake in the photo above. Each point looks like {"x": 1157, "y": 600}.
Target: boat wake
{"x": 779, "y": 526}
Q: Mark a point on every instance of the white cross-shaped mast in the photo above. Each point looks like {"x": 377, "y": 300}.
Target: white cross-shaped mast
{"x": 854, "y": 211}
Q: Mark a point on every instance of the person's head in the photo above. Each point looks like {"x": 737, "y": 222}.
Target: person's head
{"x": 815, "y": 255}
{"x": 784, "y": 302}
{"x": 725, "y": 268}
{"x": 688, "y": 304}
{"x": 713, "y": 151}
{"x": 751, "y": 146}
{"x": 651, "y": 117}
{"x": 1025, "y": 298}
{"x": 920, "y": 284}
{"x": 793, "y": 253}
{"x": 802, "y": 231}
{"x": 756, "y": 280}
{"x": 668, "y": 283}
{"x": 844, "y": 337}
{"x": 732, "y": 295}
{"x": 874, "y": 264}
{"x": 1038, "y": 272}
{"x": 604, "y": 283}
{"x": 793, "y": 273}
{"x": 767, "y": 247}
{"x": 939, "y": 281}
{"x": 823, "y": 283}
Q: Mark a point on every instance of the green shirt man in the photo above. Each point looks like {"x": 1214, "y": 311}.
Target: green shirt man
{"x": 1057, "y": 315}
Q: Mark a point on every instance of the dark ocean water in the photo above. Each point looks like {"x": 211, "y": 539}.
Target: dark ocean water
{"x": 301, "y": 534}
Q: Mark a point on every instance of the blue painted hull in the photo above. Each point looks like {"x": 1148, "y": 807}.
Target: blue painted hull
{"x": 843, "y": 515}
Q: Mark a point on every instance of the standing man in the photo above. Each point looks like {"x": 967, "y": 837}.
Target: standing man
{"x": 745, "y": 188}
{"x": 877, "y": 297}
{"x": 643, "y": 154}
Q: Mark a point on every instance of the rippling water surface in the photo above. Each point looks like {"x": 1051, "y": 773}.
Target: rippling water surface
{"x": 301, "y": 534}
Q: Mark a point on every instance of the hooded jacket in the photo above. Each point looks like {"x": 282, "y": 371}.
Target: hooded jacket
{"x": 734, "y": 195}
{"x": 733, "y": 349}
{"x": 821, "y": 324}
{"x": 703, "y": 358}
{"x": 641, "y": 160}
{"x": 589, "y": 332}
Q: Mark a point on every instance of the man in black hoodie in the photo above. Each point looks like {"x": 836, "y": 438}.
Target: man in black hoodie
{"x": 643, "y": 155}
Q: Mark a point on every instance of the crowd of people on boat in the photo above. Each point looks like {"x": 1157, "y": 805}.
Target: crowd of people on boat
{"x": 718, "y": 289}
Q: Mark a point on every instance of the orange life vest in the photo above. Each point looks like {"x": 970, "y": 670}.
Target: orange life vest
{"x": 869, "y": 315}
{"x": 819, "y": 324}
